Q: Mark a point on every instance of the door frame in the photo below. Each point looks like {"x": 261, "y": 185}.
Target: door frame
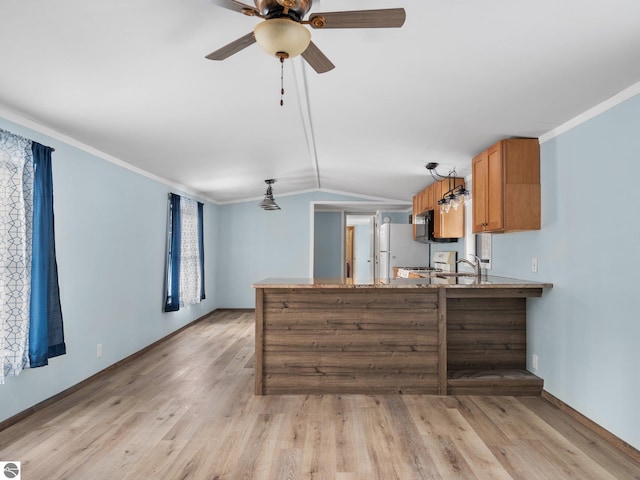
{"x": 348, "y": 254}
{"x": 372, "y": 221}
{"x": 377, "y": 205}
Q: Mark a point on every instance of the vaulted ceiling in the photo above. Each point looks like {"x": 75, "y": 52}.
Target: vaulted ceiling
{"x": 130, "y": 79}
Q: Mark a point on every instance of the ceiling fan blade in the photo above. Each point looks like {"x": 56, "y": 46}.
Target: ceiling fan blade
{"x": 385, "y": 18}
{"x": 233, "y": 47}
{"x": 318, "y": 61}
{"x": 237, "y": 7}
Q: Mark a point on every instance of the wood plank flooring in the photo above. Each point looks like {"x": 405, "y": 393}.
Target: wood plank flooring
{"x": 186, "y": 410}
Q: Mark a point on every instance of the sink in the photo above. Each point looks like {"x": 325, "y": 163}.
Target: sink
{"x": 454, "y": 274}
{"x": 434, "y": 274}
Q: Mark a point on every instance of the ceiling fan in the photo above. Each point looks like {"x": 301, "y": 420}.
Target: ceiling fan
{"x": 282, "y": 32}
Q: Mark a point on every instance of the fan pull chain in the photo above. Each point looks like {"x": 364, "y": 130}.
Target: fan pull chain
{"x": 281, "y": 81}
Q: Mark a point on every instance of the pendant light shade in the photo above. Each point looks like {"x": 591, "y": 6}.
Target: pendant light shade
{"x": 281, "y": 35}
{"x": 269, "y": 203}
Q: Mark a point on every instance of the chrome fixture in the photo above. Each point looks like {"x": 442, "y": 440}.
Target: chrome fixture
{"x": 477, "y": 268}
{"x": 456, "y": 195}
{"x": 269, "y": 203}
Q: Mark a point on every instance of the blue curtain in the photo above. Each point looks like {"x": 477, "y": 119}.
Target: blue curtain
{"x": 172, "y": 279}
{"x": 172, "y": 300}
{"x": 46, "y": 333}
{"x": 201, "y": 247}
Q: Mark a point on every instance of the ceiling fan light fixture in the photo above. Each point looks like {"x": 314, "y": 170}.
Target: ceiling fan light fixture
{"x": 281, "y": 35}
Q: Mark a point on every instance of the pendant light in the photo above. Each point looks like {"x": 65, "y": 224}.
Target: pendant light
{"x": 269, "y": 203}
{"x": 456, "y": 196}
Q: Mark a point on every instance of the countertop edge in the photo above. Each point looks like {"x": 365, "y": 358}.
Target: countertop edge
{"x": 486, "y": 282}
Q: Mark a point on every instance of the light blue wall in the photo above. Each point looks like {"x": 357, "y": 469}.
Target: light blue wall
{"x": 256, "y": 244}
{"x": 398, "y": 217}
{"x": 586, "y": 330}
{"x": 327, "y": 245}
{"x": 110, "y": 233}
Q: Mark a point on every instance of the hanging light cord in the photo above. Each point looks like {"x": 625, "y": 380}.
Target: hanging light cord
{"x": 281, "y": 81}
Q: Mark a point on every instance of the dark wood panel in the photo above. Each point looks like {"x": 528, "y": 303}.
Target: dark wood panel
{"x": 360, "y": 333}
{"x": 470, "y": 320}
{"x": 259, "y": 342}
{"x": 371, "y": 298}
{"x": 349, "y": 340}
{"x": 347, "y": 362}
{"x": 349, "y": 318}
{"x": 486, "y": 359}
{"x": 499, "y": 388}
{"x": 515, "y": 382}
{"x": 486, "y": 333}
{"x": 356, "y": 383}
{"x": 442, "y": 341}
{"x": 329, "y": 303}
{"x": 486, "y": 304}
{"x": 486, "y": 338}
{"x": 494, "y": 292}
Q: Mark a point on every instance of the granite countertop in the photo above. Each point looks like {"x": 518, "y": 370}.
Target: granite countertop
{"x": 490, "y": 281}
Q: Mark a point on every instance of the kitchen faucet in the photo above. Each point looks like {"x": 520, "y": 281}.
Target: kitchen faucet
{"x": 477, "y": 268}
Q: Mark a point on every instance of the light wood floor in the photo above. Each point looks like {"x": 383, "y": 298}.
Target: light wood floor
{"x": 186, "y": 410}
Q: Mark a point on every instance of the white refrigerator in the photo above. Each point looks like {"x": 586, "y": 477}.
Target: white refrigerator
{"x": 398, "y": 249}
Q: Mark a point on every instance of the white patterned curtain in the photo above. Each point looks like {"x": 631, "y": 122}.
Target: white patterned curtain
{"x": 16, "y": 218}
{"x": 189, "y": 253}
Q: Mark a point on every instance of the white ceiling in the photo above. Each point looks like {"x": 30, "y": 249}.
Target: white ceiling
{"x": 129, "y": 78}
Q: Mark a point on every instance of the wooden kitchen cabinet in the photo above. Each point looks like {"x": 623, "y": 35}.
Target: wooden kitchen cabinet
{"x": 423, "y": 200}
{"x": 419, "y": 206}
{"x": 506, "y": 187}
{"x": 445, "y": 225}
{"x": 451, "y": 223}
{"x": 415, "y": 211}
{"x": 428, "y": 196}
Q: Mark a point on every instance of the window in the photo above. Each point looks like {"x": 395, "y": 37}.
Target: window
{"x": 185, "y": 253}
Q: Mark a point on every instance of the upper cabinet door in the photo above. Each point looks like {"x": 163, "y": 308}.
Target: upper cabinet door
{"x": 495, "y": 189}
{"x": 480, "y": 184}
{"x": 506, "y": 187}
{"x": 416, "y": 211}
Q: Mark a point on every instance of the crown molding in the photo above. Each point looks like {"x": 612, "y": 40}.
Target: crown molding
{"x": 611, "y": 102}
{"x": 61, "y": 137}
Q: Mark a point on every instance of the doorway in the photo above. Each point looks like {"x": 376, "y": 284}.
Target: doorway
{"x": 348, "y": 253}
{"x": 360, "y": 247}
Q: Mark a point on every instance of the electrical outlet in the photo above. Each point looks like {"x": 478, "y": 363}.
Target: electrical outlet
{"x": 99, "y": 350}
{"x": 534, "y": 361}
{"x": 534, "y": 264}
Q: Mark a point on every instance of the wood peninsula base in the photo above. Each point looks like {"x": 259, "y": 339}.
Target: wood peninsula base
{"x": 415, "y": 338}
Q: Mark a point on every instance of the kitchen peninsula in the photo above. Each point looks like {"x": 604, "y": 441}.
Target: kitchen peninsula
{"x": 459, "y": 335}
